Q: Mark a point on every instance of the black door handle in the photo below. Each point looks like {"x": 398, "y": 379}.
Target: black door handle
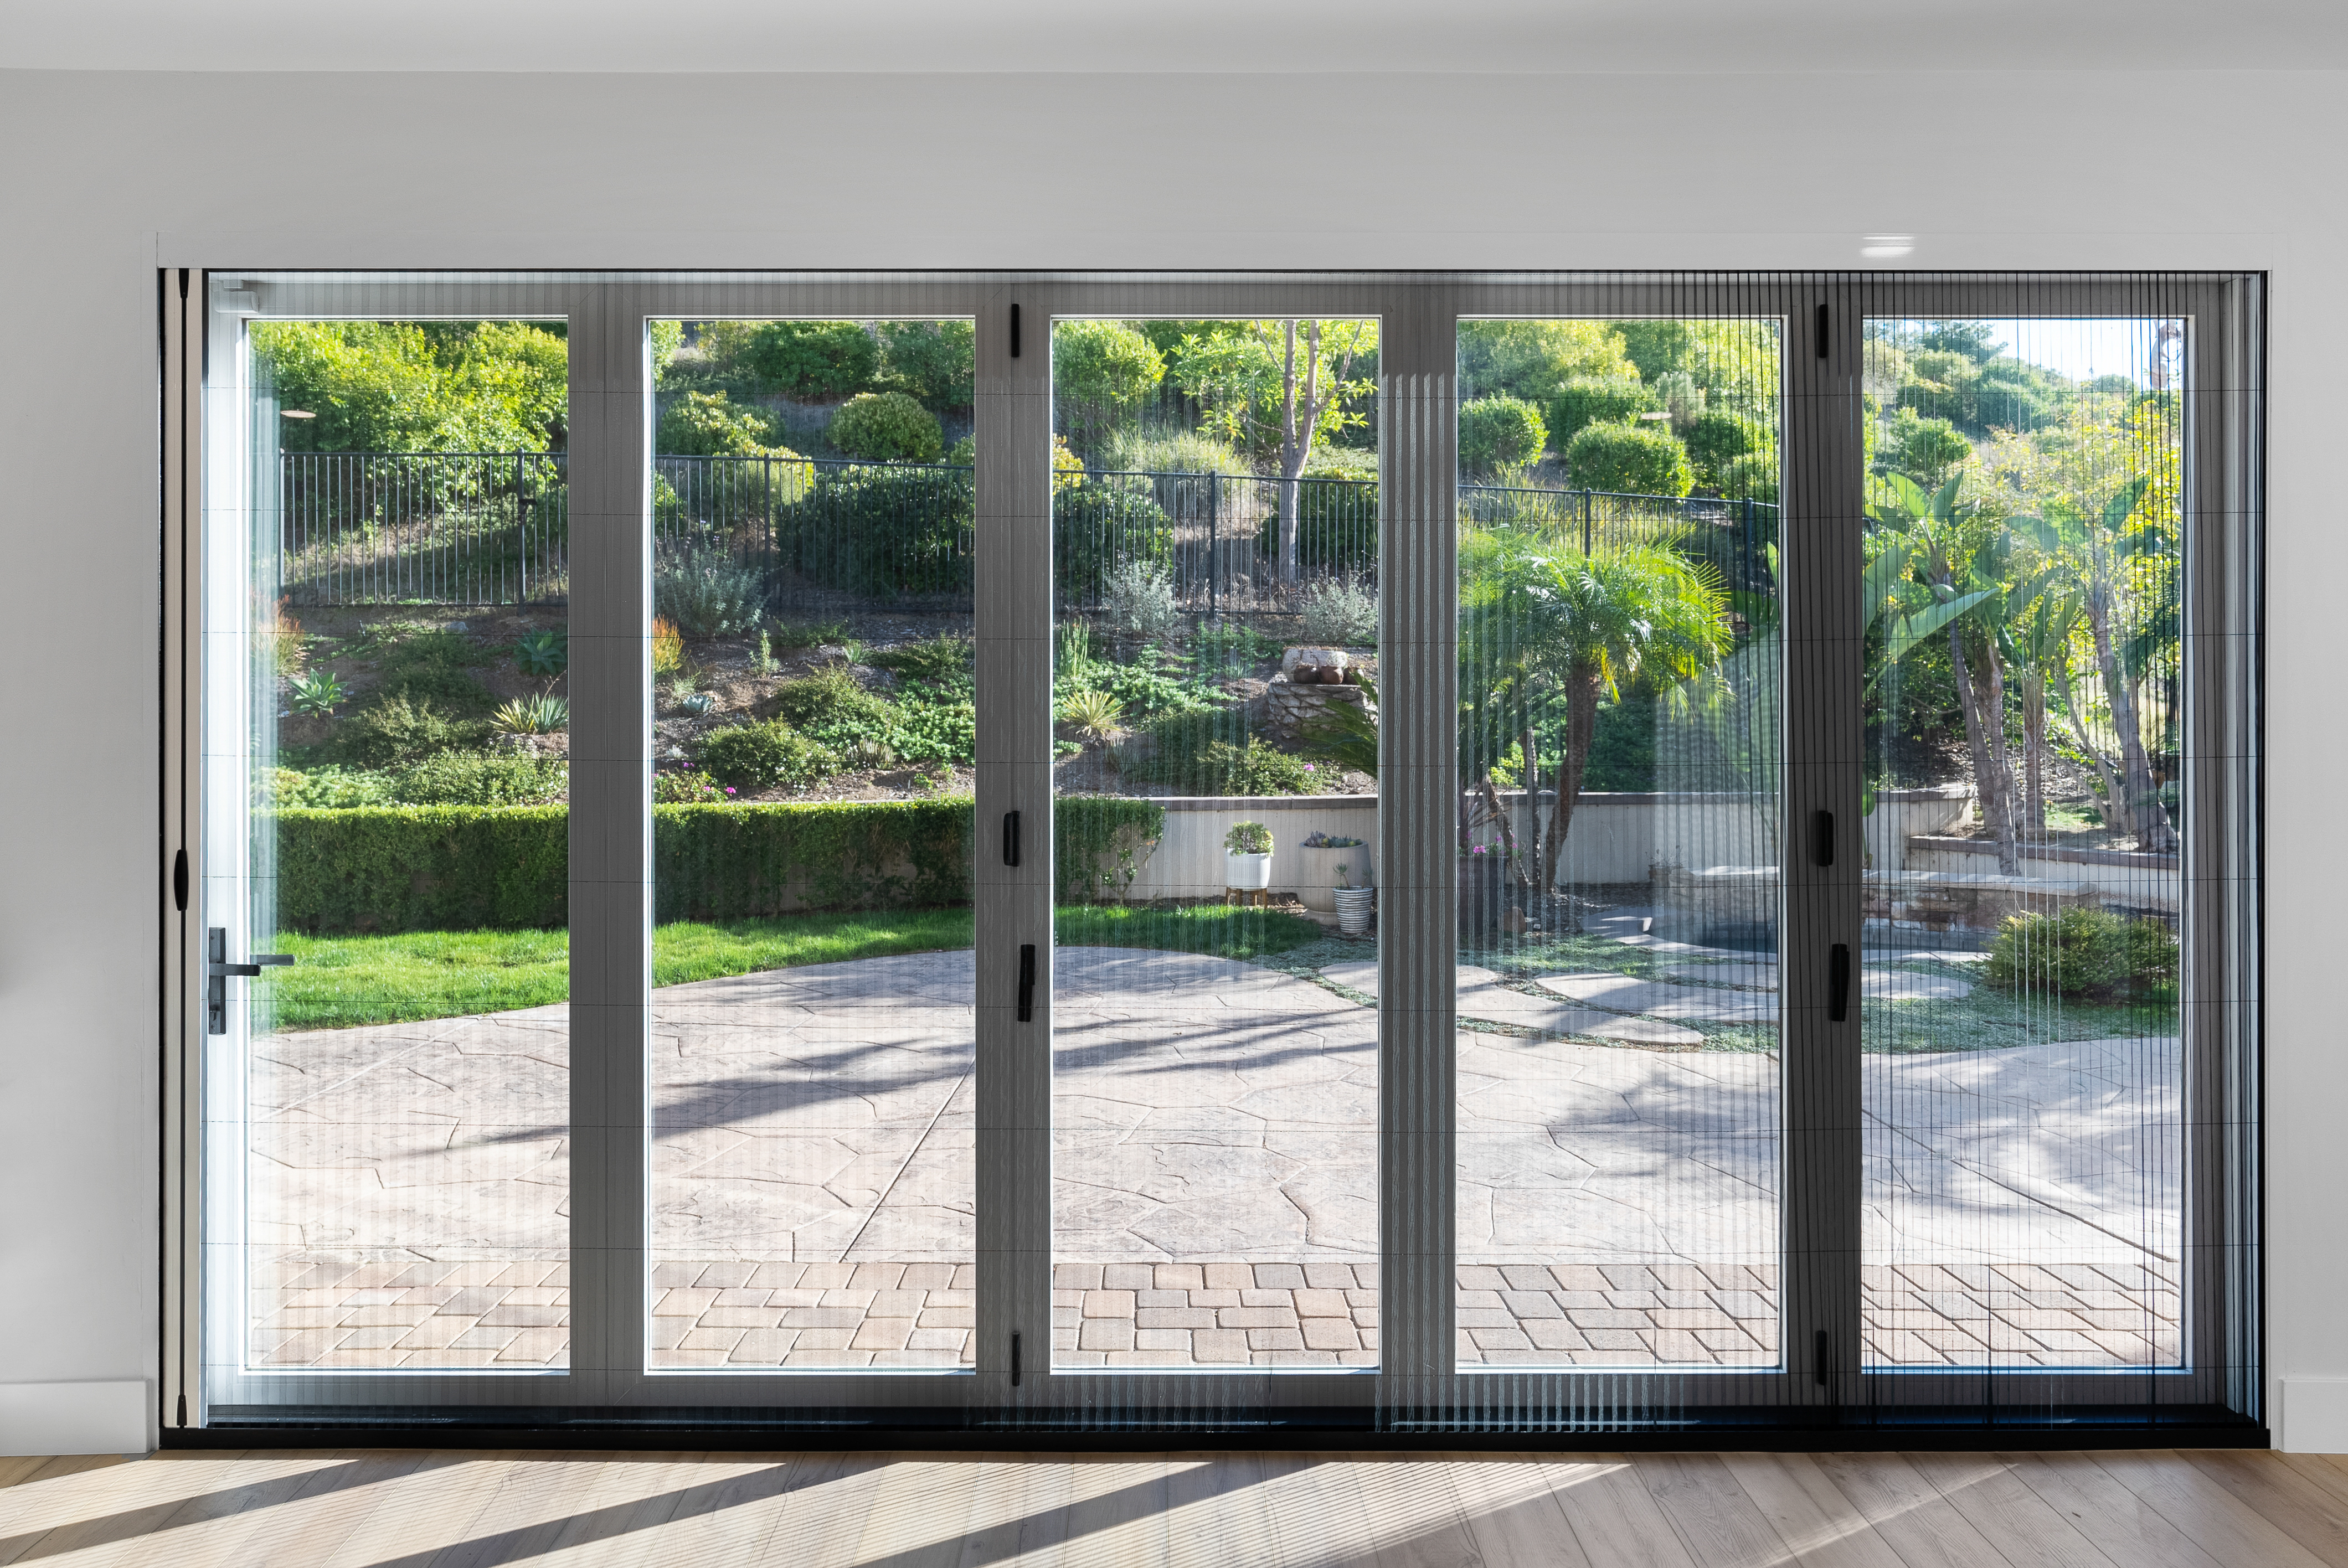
{"x": 1838, "y": 984}
{"x": 1026, "y": 982}
{"x": 1822, "y": 837}
{"x": 1010, "y": 838}
{"x": 219, "y": 970}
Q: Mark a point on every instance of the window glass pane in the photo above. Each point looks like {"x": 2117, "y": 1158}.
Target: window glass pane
{"x": 1214, "y": 514}
{"x": 2025, "y": 704}
{"x": 813, "y": 1029}
{"x": 1618, "y": 844}
{"x": 386, "y": 718}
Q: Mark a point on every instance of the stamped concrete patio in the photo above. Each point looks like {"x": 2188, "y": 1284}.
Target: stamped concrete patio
{"x": 1214, "y": 1165}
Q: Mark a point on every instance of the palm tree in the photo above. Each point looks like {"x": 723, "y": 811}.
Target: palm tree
{"x": 1542, "y": 622}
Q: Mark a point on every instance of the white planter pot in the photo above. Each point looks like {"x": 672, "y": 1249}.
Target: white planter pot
{"x": 1354, "y": 911}
{"x": 1252, "y": 872}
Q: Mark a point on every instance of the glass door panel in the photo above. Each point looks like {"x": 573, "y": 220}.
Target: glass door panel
{"x": 1215, "y": 543}
{"x": 387, "y": 845}
{"x": 813, "y": 1019}
{"x": 1617, "y": 828}
{"x": 2024, "y": 698}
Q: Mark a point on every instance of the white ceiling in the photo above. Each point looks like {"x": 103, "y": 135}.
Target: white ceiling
{"x": 1130, "y": 36}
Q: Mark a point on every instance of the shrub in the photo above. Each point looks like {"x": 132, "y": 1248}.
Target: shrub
{"x": 397, "y": 731}
{"x": 1247, "y": 838}
{"x": 1138, "y": 602}
{"x": 934, "y": 362}
{"x": 815, "y": 362}
{"x": 668, "y": 647}
{"x": 1499, "y": 436}
{"x": 2081, "y": 952}
{"x": 1340, "y": 614}
{"x": 830, "y": 700}
{"x": 406, "y": 868}
{"x": 1101, "y": 372}
{"x": 1586, "y": 400}
{"x": 1178, "y": 452}
{"x": 879, "y": 531}
{"x": 1719, "y": 436}
{"x": 452, "y": 692}
{"x": 1223, "y": 646}
{"x": 480, "y": 778}
{"x": 327, "y": 788}
{"x": 1753, "y": 477}
{"x": 316, "y": 694}
{"x": 412, "y": 645}
{"x": 946, "y": 659}
{"x": 1210, "y": 753}
{"x": 1926, "y": 450}
{"x": 706, "y": 592}
{"x": 1630, "y": 460}
{"x": 542, "y": 653}
{"x": 882, "y": 427}
{"x": 703, "y": 424}
{"x": 1094, "y": 714}
{"x": 766, "y": 756}
{"x": 1096, "y": 525}
{"x": 538, "y": 714}
{"x": 688, "y": 787}
{"x": 1679, "y": 394}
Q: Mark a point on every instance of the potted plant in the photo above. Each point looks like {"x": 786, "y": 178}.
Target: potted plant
{"x": 1353, "y": 905}
{"x": 1247, "y": 856}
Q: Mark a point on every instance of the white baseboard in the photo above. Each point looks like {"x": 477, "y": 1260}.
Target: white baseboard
{"x": 74, "y": 1419}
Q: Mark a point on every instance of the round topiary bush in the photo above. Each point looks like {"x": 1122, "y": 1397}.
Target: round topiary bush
{"x": 1630, "y": 460}
{"x": 887, "y": 426}
{"x": 766, "y": 756}
{"x": 2080, "y": 952}
{"x": 1500, "y": 434}
{"x": 703, "y": 424}
{"x": 1587, "y": 400}
{"x": 1718, "y": 436}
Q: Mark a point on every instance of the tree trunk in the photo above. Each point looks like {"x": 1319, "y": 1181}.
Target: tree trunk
{"x": 1537, "y": 857}
{"x": 2034, "y": 754}
{"x": 2154, "y": 835}
{"x": 1983, "y": 703}
{"x": 1581, "y": 692}
{"x": 1292, "y": 459}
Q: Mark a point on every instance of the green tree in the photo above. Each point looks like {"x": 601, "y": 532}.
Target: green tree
{"x": 1585, "y": 400}
{"x": 1102, "y": 374}
{"x": 1277, "y": 387}
{"x": 1543, "y": 623}
{"x": 932, "y": 361}
{"x": 813, "y": 361}
{"x": 402, "y": 386}
{"x": 703, "y": 424}
{"x": 1534, "y": 360}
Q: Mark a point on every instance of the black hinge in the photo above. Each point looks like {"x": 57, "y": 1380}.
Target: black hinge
{"x": 1822, "y": 837}
{"x": 1015, "y": 332}
{"x": 1026, "y": 982}
{"x": 1838, "y": 983}
{"x": 1819, "y": 1356}
{"x": 183, "y": 1409}
{"x": 1010, "y": 838}
{"x": 1014, "y": 1360}
{"x": 180, "y": 881}
{"x": 1822, "y": 329}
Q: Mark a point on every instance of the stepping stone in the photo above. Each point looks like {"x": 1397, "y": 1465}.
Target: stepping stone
{"x": 1644, "y": 1031}
{"x": 1907, "y": 985}
{"x": 1629, "y": 994}
{"x": 1482, "y": 996}
{"x": 1658, "y": 945}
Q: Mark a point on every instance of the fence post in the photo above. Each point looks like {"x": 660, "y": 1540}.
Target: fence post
{"x": 1588, "y": 502}
{"x": 1214, "y": 545}
{"x": 521, "y": 536}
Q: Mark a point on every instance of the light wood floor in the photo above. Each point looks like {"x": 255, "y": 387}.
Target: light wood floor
{"x": 378, "y": 1509}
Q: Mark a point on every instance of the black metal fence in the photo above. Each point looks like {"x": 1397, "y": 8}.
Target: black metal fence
{"x": 493, "y": 528}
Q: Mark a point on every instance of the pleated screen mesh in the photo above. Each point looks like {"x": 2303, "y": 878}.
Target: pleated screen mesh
{"x": 1430, "y": 854}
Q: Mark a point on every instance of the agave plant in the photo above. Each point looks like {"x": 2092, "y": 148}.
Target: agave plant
{"x": 316, "y": 694}
{"x": 540, "y": 714}
{"x": 1094, "y": 715}
{"x": 542, "y": 653}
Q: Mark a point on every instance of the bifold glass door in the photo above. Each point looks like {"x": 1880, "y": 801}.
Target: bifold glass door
{"x": 1349, "y": 852}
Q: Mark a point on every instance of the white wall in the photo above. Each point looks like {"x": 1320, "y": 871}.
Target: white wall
{"x": 102, "y": 175}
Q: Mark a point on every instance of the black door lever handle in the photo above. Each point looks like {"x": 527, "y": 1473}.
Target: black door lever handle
{"x": 1026, "y": 982}
{"x": 1838, "y": 984}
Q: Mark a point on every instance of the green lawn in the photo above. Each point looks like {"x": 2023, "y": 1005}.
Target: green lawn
{"x": 337, "y": 982}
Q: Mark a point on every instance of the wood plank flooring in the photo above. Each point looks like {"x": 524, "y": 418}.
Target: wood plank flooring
{"x": 408, "y": 1509}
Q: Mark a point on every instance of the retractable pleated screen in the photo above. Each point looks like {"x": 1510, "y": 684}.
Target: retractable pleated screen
{"x": 1444, "y": 855}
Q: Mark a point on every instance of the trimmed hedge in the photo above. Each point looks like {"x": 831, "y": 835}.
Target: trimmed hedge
{"x": 427, "y": 868}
